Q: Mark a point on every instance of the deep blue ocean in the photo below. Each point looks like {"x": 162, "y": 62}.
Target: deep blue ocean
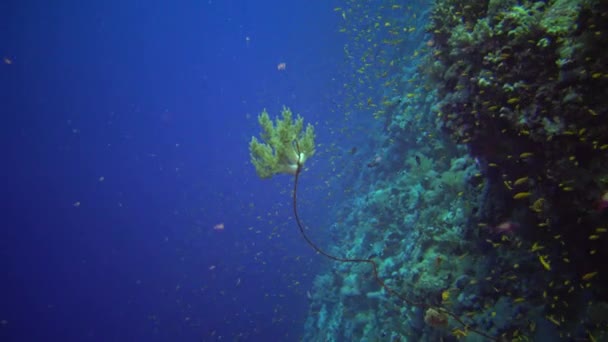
{"x": 125, "y": 131}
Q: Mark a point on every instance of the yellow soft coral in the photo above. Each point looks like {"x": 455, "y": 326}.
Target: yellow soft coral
{"x": 284, "y": 147}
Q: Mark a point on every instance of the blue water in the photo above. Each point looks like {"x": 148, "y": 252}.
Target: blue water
{"x": 125, "y": 130}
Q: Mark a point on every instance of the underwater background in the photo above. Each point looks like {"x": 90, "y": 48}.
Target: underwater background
{"x": 459, "y": 176}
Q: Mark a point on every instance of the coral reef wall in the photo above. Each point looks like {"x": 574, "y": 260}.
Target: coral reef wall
{"x": 487, "y": 192}
{"x": 524, "y": 85}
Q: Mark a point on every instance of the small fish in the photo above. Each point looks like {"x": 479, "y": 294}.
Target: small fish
{"x": 417, "y": 160}
{"x": 459, "y": 333}
{"x": 521, "y": 195}
{"x": 506, "y": 227}
{"x": 538, "y": 205}
{"x": 520, "y": 181}
{"x": 589, "y": 276}
{"x": 544, "y": 262}
{"x": 536, "y": 247}
{"x": 553, "y": 320}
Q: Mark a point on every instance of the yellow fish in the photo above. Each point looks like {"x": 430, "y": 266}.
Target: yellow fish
{"x": 544, "y": 262}
{"x": 589, "y": 276}
{"x": 520, "y": 181}
{"x": 521, "y": 195}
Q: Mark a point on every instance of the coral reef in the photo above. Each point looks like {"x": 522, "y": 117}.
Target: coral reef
{"x": 523, "y": 85}
{"x": 491, "y": 199}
